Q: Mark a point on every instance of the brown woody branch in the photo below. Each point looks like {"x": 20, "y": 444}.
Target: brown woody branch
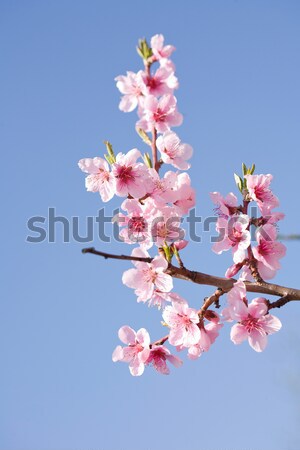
{"x": 110, "y": 256}
{"x": 286, "y": 294}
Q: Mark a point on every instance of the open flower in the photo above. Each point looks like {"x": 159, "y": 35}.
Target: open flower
{"x": 137, "y": 351}
{"x": 161, "y": 114}
{"x": 159, "y": 355}
{"x": 208, "y": 334}
{"x": 234, "y": 235}
{"x": 182, "y": 321}
{"x": 163, "y": 81}
{"x": 173, "y": 151}
{"x": 226, "y": 206}
{"x": 185, "y": 196}
{"x": 99, "y": 179}
{"x": 159, "y": 49}
{"x": 137, "y": 222}
{"x": 165, "y": 227}
{"x": 254, "y": 322}
{"x": 259, "y": 191}
{"x": 132, "y": 178}
{"x": 132, "y": 86}
{"x": 147, "y": 276}
{"x": 268, "y": 251}
{"x": 159, "y": 299}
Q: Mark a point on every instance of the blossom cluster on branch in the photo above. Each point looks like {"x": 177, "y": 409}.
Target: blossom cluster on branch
{"x": 153, "y": 207}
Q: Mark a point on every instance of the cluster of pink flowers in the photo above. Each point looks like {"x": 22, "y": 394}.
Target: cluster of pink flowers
{"x": 139, "y": 352}
{"x": 235, "y": 225}
{"x": 255, "y": 263}
{"x": 153, "y": 207}
{"x": 186, "y": 331}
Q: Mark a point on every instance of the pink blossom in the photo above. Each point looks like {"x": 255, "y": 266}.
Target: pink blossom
{"x": 137, "y": 352}
{"x": 235, "y": 296}
{"x": 99, "y": 178}
{"x": 161, "y": 114}
{"x": 159, "y": 49}
{"x": 165, "y": 226}
{"x": 132, "y": 86}
{"x": 259, "y": 191}
{"x": 132, "y": 178}
{"x": 180, "y": 245}
{"x": 255, "y": 324}
{"x": 226, "y": 206}
{"x": 182, "y": 321}
{"x": 185, "y": 196}
{"x": 271, "y": 217}
{"x": 167, "y": 63}
{"x": 163, "y": 81}
{"x": 234, "y": 235}
{"x": 268, "y": 251}
{"x": 137, "y": 222}
{"x": 246, "y": 274}
{"x": 162, "y": 188}
{"x": 174, "y": 188}
{"x": 233, "y": 270}
{"x": 173, "y": 151}
{"x": 147, "y": 276}
{"x": 159, "y": 355}
{"x": 208, "y": 335}
{"x": 160, "y": 299}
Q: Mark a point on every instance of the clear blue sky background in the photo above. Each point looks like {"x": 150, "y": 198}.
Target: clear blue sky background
{"x": 239, "y": 71}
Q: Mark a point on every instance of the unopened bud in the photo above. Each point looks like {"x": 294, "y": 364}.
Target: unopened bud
{"x": 233, "y": 270}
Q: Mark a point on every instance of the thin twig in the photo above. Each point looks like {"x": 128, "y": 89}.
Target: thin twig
{"x": 93, "y": 251}
{"x": 279, "y": 303}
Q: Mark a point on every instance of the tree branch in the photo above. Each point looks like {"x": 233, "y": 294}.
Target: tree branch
{"x": 93, "y": 251}
{"x": 225, "y": 284}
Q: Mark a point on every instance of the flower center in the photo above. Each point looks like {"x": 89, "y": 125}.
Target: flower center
{"x": 266, "y": 248}
{"x": 159, "y": 115}
{"x": 153, "y": 83}
{"x": 103, "y": 175}
{"x": 137, "y": 224}
{"x": 149, "y": 275}
{"x": 125, "y": 174}
{"x": 251, "y": 323}
{"x": 235, "y": 236}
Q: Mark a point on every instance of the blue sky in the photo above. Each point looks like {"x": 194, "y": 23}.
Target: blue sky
{"x": 239, "y": 69}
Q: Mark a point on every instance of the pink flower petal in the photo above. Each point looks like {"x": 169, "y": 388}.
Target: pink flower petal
{"x": 258, "y": 340}
{"x": 238, "y": 333}
{"x": 127, "y": 335}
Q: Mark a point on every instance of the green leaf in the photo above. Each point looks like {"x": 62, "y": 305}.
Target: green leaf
{"x": 244, "y": 169}
{"x": 143, "y": 49}
{"x": 110, "y": 152}
{"x": 167, "y": 252}
{"x": 144, "y": 136}
{"x": 108, "y": 159}
{"x": 147, "y": 160}
{"x": 238, "y": 182}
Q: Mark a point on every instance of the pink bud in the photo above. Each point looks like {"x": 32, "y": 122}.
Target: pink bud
{"x": 212, "y": 316}
{"x": 181, "y": 244}
{"x": 233, "y": 270}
